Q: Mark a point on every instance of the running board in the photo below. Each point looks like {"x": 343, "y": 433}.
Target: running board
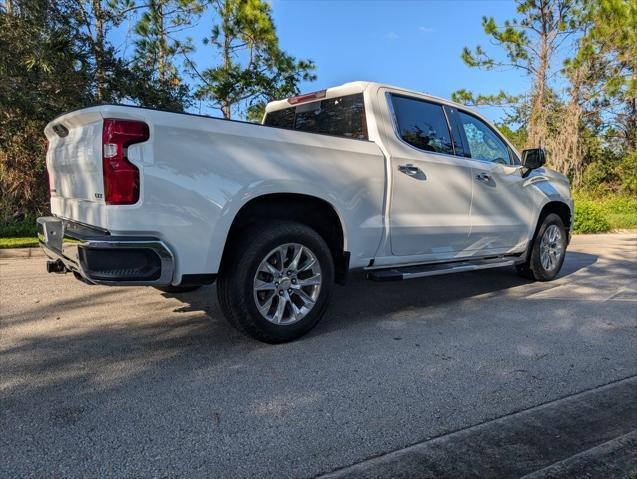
{"x": 420, "y": 271}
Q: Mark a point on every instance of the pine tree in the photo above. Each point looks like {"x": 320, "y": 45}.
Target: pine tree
{"x": 254, "y": 69}
{"x": 530, "y": 44}
{"x": 611, "y": 43}
{"x": 158, "y": 50}
{"x": 97, "y": 18}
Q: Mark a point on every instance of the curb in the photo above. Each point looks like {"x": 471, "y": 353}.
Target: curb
{"x": 31, "y": 252}
{"x": 593, "y": 426}
{"x": 615, "y": 458}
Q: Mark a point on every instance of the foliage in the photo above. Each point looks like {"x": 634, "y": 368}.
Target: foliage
{"x": 468, "y": 98}
{"x": 589, "y": 127}
{"x": 589, "y": 218}
{"x": 626, "y": 171}
{"x": 44, "y": 70}
{"x": 254, "y": 70}
{"x": 619, "y": 211}
{"x": 19, "y": 226}
{"x": 157, "y": 49}
{"x": 18, "y": 233}
{"x": 528, "y": 43}
{"x": 610, "y": 174}
{"x": 517, "y": 137}
{"x": 56, "y": 56}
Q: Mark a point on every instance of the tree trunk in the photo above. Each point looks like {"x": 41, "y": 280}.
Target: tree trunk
{"x": 161, "y": 44}
{"x": 537, "y": 118}
{"x": 98, "y": 51}
{"x": 226, "y": 105}
{"x": 631, "y": 123}
{"x": 567, "y": 156}
{"x": 226, "y": 110}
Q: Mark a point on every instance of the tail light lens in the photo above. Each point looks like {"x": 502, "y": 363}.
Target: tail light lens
{"x": 121, "y": 177}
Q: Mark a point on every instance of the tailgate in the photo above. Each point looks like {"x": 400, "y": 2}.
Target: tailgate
{"x": 74, "y": 159}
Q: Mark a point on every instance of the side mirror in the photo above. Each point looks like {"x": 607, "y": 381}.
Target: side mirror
{"x": 533, "y": 158}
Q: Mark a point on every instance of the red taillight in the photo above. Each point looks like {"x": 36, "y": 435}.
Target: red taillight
{"x": 307, "y": 97}
{"x": 121, "y": 177}
{"x": 46, "y": 171}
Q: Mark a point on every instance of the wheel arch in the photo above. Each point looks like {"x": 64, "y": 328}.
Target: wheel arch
{"x": 560, "y": 208}
{"x": 312, "y": 211}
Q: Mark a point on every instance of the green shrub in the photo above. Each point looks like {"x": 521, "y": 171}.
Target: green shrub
{"x": 598, "y": 178}
{"x": 11, "y": 228}
{"x": 590, "y": 217}
{"x": 621, "y": 211}
{"x": 627, "y": 172}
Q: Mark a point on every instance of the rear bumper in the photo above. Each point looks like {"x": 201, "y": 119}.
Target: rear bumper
{"x": 98, "y": 257}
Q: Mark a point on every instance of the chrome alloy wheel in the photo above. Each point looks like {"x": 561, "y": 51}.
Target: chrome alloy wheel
{"x": 287, "y": 284}
{"x": 551, "y": 247}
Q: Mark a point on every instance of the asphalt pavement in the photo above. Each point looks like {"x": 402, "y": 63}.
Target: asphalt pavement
{"x": 132, "y": 382}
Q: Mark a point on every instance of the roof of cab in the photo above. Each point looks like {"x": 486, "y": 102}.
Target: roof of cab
{"x": 358, "y": 87}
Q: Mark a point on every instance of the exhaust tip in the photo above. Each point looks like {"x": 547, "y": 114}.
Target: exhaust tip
{"x": 55, "y": 267}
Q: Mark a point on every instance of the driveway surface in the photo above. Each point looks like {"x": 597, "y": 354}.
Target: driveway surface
{"x": 121, "y": 382}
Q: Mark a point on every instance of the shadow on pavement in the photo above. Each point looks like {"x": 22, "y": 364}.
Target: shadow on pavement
{"x": 207, "y": 338}
{"x": 360, "y": 298}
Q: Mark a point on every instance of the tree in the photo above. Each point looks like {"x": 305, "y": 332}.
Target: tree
{"x": 530, "y": 44}
{"x": 45, "y": 71}
{"x": 611, "y": 42}
{"x": 253, "y": 68}
{"x": 157, "y": 49}
{"x": 601, "y": 93}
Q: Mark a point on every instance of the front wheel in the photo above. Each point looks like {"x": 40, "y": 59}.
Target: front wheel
{"x": 277, "y": 281}
{"x": 547, "y": 252}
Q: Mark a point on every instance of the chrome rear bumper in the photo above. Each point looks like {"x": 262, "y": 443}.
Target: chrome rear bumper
{"x": 98, "y": 257}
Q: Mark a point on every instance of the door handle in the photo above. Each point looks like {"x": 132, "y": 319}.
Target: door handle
{"x": 410, "y": 170}
{"x": 484, "y": 177}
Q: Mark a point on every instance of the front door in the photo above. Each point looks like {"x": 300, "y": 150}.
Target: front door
{"x": 431, "y": 187}
{"x": 501, "y": 207}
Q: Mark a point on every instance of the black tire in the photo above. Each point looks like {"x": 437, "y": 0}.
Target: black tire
{"x": 178, "y": 289}
{"x": 533, "y": 268}
{"x": 235, "y": 282}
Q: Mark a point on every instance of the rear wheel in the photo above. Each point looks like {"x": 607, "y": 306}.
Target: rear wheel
{"x": 547, "y": 252}
{"x": 277, "y": 281}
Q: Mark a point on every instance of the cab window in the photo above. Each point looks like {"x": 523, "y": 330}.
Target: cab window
{"x": 422, "y": 124}
{"x": 484, "y": 144}
{"x": 343, "y": 116}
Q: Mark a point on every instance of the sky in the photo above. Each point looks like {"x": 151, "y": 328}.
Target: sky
{"x": 412, "y": 44}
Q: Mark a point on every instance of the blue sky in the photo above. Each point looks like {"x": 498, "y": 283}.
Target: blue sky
{"x": 412, "y": 44}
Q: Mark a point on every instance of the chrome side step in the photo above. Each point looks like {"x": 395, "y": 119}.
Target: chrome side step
{"x": 411, "y": 272}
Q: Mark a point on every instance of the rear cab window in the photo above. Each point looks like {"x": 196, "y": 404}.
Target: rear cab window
{"x": 422, "y": 124}
{"x": 342, "y": 116}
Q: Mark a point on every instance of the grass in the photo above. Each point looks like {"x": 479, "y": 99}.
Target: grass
{"x": 621, "y": 212}
{"x": 18, "y": 234}
{"x": 18, "y": 242}
{"x": 599, "y": 214}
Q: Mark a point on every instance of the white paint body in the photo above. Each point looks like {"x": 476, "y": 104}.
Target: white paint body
{"x": 197, "y": 172}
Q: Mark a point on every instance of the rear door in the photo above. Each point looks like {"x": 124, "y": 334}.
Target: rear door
{"x": 431, "y": 188}
{"x": 501, "y": 206}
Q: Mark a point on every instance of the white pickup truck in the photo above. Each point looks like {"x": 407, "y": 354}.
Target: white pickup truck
{"x": 361, "y": 176}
